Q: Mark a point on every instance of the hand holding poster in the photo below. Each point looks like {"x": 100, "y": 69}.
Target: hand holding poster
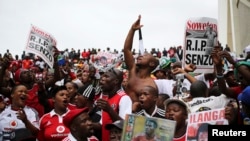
{"x": 201, "y": 37}
{"x": 42, "y": 44}
{"x": 139, "y": 128}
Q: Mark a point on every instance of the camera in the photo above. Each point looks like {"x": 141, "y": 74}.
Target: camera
{"x": 179, "y": 78}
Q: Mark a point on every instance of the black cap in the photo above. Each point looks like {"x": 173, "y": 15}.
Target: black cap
{"x": 118, "y": 124}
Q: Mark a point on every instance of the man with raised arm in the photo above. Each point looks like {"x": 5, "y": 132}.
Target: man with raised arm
{"x": 139, "y": 69}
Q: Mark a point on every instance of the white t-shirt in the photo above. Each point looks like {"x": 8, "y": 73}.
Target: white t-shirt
{"x": 10, "y": 122}
{"x": 125, "y": 106}
{"x": 207, "y": 103}
{"x": 165, "y": 86}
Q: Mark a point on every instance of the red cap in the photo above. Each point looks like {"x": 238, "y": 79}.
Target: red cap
{"x": 16, "y": 64}
{"x": 73, "y": 114}
{"x": 72, "y": 75}
{"x": 18, "y": 73}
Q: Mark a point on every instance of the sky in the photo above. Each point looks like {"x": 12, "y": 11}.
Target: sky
{"x": 100, "y": 24}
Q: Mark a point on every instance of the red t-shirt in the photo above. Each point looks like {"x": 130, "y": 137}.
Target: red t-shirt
{"x": 114, "y": 102}
{"x": 52, "y": 128}
{"x": 27, "y": 64}
{"x": 33, "y": 101}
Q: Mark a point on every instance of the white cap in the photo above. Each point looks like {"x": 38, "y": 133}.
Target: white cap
{"x": 247, "y": 49}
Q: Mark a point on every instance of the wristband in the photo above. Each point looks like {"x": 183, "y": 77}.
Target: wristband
{"x": 219, "y": 76}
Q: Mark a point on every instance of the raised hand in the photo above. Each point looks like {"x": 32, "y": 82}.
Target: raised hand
{"x": 103, "y": 104}
{"x": 217, "y": 60}
{"x": 227, "y": 55}
{"x": 137, "y": 24}
{"x": 190, "y": 67}
{"x": 21, "y": 115}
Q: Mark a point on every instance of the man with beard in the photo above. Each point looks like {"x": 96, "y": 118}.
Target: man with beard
{"x": 80, "y": 126}
{"x": 113, "y": 101}
{"x": 139, "y": 69}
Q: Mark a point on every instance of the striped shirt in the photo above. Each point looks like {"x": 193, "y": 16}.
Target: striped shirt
{"x": 157, "y": 113}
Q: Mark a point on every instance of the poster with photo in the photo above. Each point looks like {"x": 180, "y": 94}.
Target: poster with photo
{"x": 138, "y": 128}
{"x": 201, "y": 35}
{"x": 197, "y": 128}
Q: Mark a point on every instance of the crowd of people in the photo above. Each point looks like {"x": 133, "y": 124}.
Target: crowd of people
{"x": 77, "y": 101}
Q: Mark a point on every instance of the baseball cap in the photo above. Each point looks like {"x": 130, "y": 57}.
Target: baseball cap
{"x": 118, "y": 124}
{"x": 159, "y": 70}
{"x": 164, "y": 62}
{"x": 178, "y": 101}
{"x": 73, "y": 114}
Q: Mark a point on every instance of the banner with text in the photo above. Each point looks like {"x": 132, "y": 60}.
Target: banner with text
{"x": 197, "y": 128}
{"x": 41, "y": 44}
{"x": 201, "y": 35}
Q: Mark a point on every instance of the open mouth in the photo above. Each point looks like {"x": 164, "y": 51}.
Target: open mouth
{"x": 141, "y": 102}
{"x": 91, "y": 131}
{"x": 23, "y": 98}
{"x": 65, "y": 102}
{"x": 170, "y": 118}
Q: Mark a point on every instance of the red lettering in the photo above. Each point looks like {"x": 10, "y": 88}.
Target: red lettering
{"x": 222, "y": 114}
{"x": 200, "y": 118}
{"x": 200, "y": 26}
{"x": 40, "y": 32}
{"x": 191, "y": 119}
{"x": 207, "y": 116}
{"x": 215, "y": 115}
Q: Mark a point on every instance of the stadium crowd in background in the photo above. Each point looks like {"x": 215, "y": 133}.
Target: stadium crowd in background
{"x": 130, "y": 83}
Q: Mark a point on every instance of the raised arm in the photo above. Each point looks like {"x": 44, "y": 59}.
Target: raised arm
{"x": 217, "y": 60}
{"x": 50, "y": 82}
{"x": 242, "y": 67}
{"x": 129, "y": 58}
{"x": 189, "y": 77}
